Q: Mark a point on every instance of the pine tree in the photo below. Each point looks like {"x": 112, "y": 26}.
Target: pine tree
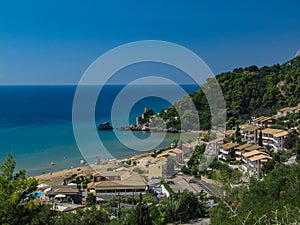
{"x": 260, "y": 141}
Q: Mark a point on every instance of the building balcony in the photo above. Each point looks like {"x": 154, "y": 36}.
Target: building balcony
{"x": 224, "y": 152}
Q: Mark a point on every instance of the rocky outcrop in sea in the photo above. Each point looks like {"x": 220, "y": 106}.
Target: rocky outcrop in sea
{"x": 105, "y": 126}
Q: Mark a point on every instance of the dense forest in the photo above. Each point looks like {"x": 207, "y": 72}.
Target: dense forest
{"x": 249, "y": 91}
{"x": 273, "y": 200}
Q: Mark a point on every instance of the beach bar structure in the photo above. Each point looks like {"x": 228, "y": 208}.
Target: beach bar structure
{"x": 113, "y": 188}
{"x": 62, "y": 192}
{"x": 109, "y": 184}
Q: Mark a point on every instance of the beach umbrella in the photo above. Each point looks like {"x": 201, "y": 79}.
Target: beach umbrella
{"x": 42, "y": 186}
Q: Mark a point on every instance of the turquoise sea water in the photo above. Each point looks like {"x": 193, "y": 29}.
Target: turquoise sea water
{"x": 36, "y": 124}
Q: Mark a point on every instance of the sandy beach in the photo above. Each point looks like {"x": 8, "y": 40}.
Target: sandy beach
{"x": 57, "y": 177}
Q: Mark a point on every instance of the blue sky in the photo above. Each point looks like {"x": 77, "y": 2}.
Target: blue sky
{"x": 53, "y": 42}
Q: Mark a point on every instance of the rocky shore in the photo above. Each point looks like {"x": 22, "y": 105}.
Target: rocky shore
{"x": 143, "y": 127}
{"x": 148, "y": 122}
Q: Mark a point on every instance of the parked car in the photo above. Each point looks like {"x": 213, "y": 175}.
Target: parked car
{"x": 170, "y": 182}
{"x": 192, "y": 181}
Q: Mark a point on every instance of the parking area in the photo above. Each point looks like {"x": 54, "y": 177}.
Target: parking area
{"x": 181, "y": 183}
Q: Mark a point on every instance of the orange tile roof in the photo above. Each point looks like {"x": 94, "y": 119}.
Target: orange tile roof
{"x": 295, "y": 108}
{"x": 254, "y": 147}
{"x": 230, "y": 145}
{"x": 253, "y": 153}
{"x": 241, "y": 147}
{"x": 285, "y": 109}
{"x": 260, "y": 157}
{"x": 251, "y": 128}
{"x": 262, "y": 119}
{"x": 281, "y": 134}
{"x": 271, "y": 131}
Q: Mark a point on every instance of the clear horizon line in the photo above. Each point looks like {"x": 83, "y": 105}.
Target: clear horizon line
{"x": 74, "y": 84}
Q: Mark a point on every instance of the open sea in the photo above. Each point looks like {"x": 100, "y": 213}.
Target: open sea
{"x": 36, "y": 123}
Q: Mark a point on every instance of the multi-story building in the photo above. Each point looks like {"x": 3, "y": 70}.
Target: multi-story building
{"x": 295, "y": 109}
{"x": 274, "y": 138}
{"x": 162, "y": 168}
{"x": 250, "y": 134}
{"x": 214, "y": 146}
{"x": 239, "y": 150}
{"x": 227, "y": 150}
{"x": 178, "y": 155}
{"x": 263, "y": 121}
{"x": 254, "y": 161}
{"x": 285, "y": 111}
{"x": 127, "y": 183}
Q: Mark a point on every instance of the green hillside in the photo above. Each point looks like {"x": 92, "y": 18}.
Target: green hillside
{"x": 249, "y": 91}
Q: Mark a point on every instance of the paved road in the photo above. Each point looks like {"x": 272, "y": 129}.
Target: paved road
{"x": 181, "y": 183}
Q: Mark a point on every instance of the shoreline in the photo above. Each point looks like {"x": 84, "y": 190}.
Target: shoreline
{"x": 57, "y": 177}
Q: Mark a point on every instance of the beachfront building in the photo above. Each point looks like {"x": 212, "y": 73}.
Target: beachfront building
{"x": 263, "y": 122}
{"x": 111, "y": 175}
{"x": 64, "y": 192}
{"x": 250, "y": 134}
{"x": 158, "y": 169}
{"x": 116, "y": 183}
{"x": 274, "y": 138}
{"x": 254, "y": 160}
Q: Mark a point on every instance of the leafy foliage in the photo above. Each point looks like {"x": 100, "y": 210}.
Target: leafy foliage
{"x": 249, "y": 91}
{"x": 273, "y": 200}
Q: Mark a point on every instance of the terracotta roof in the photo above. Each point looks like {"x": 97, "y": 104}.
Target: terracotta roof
{"x": 281, "y": 134}
{"x": 229, "y": 132}
{"x": 229, "y": 145}
{"x": 216, "y": 140}
{"x": 253, "y": 153}
{"x": 285, "y": 109}
{"x": 262, "y": 119}
{"x": 251, "y": 128}
{"x": 122, "y": 174}
{"x": 66, "y": 190}
{"x": 241, "y": 147}
{"x": 254, "y": 147}
{"x": 244, "y": 125}
{"x": 260, "y": 157}
{"x": 271, "y": 131}
{"x": 113, "y": 185}
{"x": 295, "y": 108}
